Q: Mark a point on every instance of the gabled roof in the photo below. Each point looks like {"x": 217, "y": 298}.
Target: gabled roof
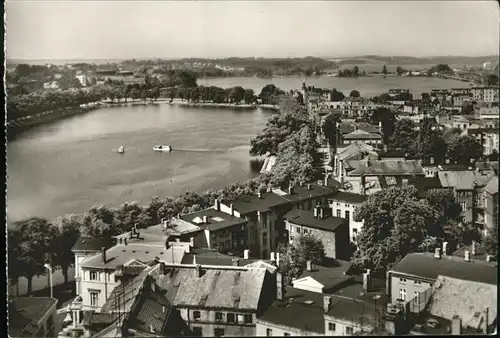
{"x": 330, "y": 277}
{"x": 426, "y": 266}
{"x": 361, "y": 134}
{"x": 25, "y": 314}
{"x": 217, "y": 288}
{"x": 306, "y": 218}
{"x": 217, "y": 220}
{"x": 460, "y": 180}
{"x": 353, "y": 149}
{"x": 492, "y": 186}
{"x": 482, "y": 178}
{"x": 249, "y": 204}
{"x": 466, "y": 299}
{"x": 84, "y": 243}
{"x": 389, "y": 167}
{"x": 349, "y": 197}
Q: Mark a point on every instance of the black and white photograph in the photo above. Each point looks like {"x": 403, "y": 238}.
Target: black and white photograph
{"x": 251, "y": 168}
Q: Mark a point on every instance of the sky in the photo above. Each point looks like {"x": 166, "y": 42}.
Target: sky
{"x": 82, "y": 29}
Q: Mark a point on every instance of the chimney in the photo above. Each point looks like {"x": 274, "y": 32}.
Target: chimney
{"x": 191, "y": 241}
{"x": 269, "y": 189}
{"x": 301, "y": 183}
{"x": 488, "y": 258}
{"x": 273, "y": 258}
{"x": 162, "y": 268}
{"x": 326, "y": 180}
{"x": 236, "y": 262}
{"x": 290, "y": 189}
{"x": 447, "y": 161}
{"x": 315, "y": 212}
{"x": 125, "y": 241}
{"x": 231, "y": 208}
{"x": 456, "y": 325}
{"x": 327, "y": 303}
{"x": 473, "y": 251}
{"x": 246, "y": 253}
{"x": 445, "y": 247}
{"x": 197, "y": 271}
{"x": 121, "y": 240}
{"x": 194, "y": 259}
{"x": 485, "y": 327}
{"x": 205, "y": 219}
{"x": 259, "y": 194}
{"x": 309, "y": 266}
{"x": 321, "y": 212}
{"x": 279, "y": 285}
{"x": 103, "y": 254}
{"x": 119, "y": 270}
{"x": 405, "y": 182}
{"x": 308, "y": 187}
{"x": 437, "y": 253}
{"x": 467, "y": 256}
{"x": 217, "y": 204}
{"x": 278, "y": 259}
{"x": 367, "y": 280}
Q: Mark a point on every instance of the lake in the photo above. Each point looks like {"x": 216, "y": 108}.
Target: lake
{"x": 367, "y": 86}
{"x": 72, "y": 164}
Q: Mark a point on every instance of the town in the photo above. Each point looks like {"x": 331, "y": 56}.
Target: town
{"x": 297, "y": 196}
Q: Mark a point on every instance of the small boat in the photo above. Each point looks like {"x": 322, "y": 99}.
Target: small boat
{"x": 162, "y": 148}
{"x": 121, "y": 150}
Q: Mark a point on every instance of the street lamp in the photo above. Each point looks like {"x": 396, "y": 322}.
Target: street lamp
{"x": 49, "y": 268}
{"x": 375, "y": 298}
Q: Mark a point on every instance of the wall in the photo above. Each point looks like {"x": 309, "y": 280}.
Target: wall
{"x": 229, "y": 239}
{"x": 79, "y": 257}
{"x": 207, "y": 323}
{"x": 467, "y": 197}
{"x": 342, "y": 325}
{"x": 104, "y": 285}
{"x": 279, "y": 331}
{"x": 327, "y": 237}
{"x": 410, "y": 284}
{"x": 354, "y": 227}
{"x": 491, "y": 211}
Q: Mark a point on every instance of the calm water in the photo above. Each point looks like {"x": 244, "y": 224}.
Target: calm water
{"x": 367, "y": 86}
{"x": 70, "y": 165}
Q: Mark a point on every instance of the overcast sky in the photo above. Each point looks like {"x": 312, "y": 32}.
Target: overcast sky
{"x": 169, "y": 29}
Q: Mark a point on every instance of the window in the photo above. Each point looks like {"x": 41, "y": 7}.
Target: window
{"x": 264, "y": 237}
{"x": 402, "y": 294}
{"x": 248, "y": 319}
{"x": 338, "y": 213}
{"x": 463, "y": 205}
{"x": 218, "y": 332}
{"x": 347, "y": 215}
{"x": 218, "y": 316}
{"x": 402, "y": 280}
{"x": 330, "y": 202}
{"x": 94, "y": 298}
{"x": 348, "y": 330}
{"x": 331, "y": 327}
{"x": 416, "y": 297}
{"x": 417, "y": 282}
{"x": 269, "y": 332}
{"x": 196, "y": 315}
{"x": 291, "y": 228}
{"x": 231, "y": 318}
{"x": 298, "y": 230}
{"x": 93, "y": 275}
{"x": 197, "y": 331}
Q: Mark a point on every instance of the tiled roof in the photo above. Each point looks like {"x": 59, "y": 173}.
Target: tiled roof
{"x": 460, "y": 180}
{"x": 346, "y": 127}
{"x": 121, "y": 254}
{"x": 216, "y": 219}
{"x": 426, "y": 266}
{"x": 361, "y": 134}
{"x": 482, "y": 178}
{"x": 248, "y": 204}
{"x": 230, "y": 288}
{"x": 293, "y": 312}
{"x": 89, "y": 244}
{"x": 150, "y": 312}
{"x": 423, "y": 184}
{"x": 355, "y": 148}
{"x": 301, "y": 193}
{"x": 466, "y": 299}
{"x": 349, "y": 197}
{"x": 25, "y": 313}
{"x": 205, "y": 256}
{"x": 492, "y": 186}
{"x": 306, "y": 218}
{"x": 389, "y": 167}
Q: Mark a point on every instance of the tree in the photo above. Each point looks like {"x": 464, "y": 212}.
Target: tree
{"x": 405, "y": 136}
{"x": 36, "y": 245}
{"x": 490, "y": 243}
{"x": 129, "y": 215}
{"x": 355, "y": 71}
{"x": 388, "y": 120}
{"x": 467, "y": 108}
{"x": 236, "y": 94}
{"x": 294, "y": 257}
{"x": 384, "y": 98}
{"x": 14, "y": 265}
{"x": 491, "y": 80}
{"x": 493, "y": 156}
{"x": 337, "y": 96}
{"x": 354, "y": 93}
{"x": 67, "y": 235}
{"x": 98, "y": 222}
{"x": 442, "y": 68}
{"x": 249, "y": 96}
{"x": 399, "y": 70}
{"x": 426, "y": 97}
{"x": 330, "y": 129}
{"x": 384, "y": 70}
{"x": 388, "y": 216}
{"x": 464, "y": 149}
{"x": 430, "y": 143}
{"x": 268, "y": 92}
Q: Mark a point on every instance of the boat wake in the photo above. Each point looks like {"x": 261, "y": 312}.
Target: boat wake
{"x": 199, "y": 150}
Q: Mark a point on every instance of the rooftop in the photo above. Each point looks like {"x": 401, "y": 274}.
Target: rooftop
{"x": 121, "y": 254}
{"x": 389, "y": 167}
{"x": 293, "y": 311}
{"x": 492, "y": 186}
{"x": 466, "y": 299}
{"x": 217, "y": 288}
{"x": 89, "y": 244}
{"x": 217, "y": 220}
{"x": 354, "y": 149}
{"x": 423, "y": 184}
{"x": 248, "y": 204}
{"x": 330, "y": 277}
{"x": 460, "y": 180}
{"x": 306, "y": 218}
{"x": 346, "y": 128}
{"x": 349, "y": 197}
{"x": 25, "y": 314}
{"x": 360, "y": 134}
{"x": 311, "y": 190}
{"x": 426, "y": 266}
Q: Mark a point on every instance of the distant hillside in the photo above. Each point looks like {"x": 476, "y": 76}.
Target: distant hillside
{"x": 407, "y": 60}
